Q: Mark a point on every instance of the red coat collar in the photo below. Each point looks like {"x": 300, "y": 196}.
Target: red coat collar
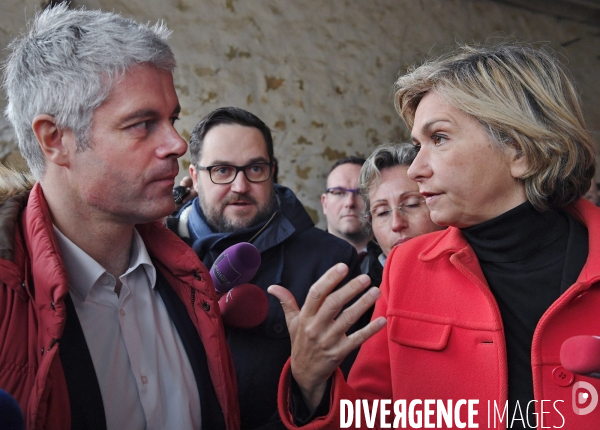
{"x": 451, "y": 240}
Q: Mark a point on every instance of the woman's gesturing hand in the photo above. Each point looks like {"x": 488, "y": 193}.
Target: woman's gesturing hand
{"x": 318, "y": 330}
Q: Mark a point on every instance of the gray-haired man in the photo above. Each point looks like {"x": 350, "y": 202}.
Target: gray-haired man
{"x": 107, "y": 318}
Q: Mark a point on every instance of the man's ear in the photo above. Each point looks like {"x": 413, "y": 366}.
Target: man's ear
{"x": 324, "y": 203}
{"x": 52, "y": 139}
{"x": 517, "y": 161}
{"x": 194, "y": 175}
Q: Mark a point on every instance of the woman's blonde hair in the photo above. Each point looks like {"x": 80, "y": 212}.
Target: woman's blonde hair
{"x": 524, "y": 98}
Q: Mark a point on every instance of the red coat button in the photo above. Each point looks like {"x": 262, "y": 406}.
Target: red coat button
{"x": 562, "y": 376}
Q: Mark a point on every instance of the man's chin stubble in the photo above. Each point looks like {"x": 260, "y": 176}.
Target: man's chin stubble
{"x": 222, "y": 224}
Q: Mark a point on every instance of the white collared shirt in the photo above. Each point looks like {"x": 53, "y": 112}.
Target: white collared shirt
{"x": 145, "y": 376}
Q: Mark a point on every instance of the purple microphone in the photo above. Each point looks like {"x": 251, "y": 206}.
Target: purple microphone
{"x": 236, "y": 265}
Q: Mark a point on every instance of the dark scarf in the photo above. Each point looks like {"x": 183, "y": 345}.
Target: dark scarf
{"x": 529, "y": 258}
{"x": 288, "y": 216}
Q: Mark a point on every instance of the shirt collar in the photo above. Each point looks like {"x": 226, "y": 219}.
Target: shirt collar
{"x": 140, "y": 257}
{"x": 84, "y": 271}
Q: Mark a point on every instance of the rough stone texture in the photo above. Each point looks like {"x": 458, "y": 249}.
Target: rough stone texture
{"x": 320, "y": 73}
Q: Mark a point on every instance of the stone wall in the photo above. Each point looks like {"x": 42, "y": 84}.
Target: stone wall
{"x": 320, "y": 73}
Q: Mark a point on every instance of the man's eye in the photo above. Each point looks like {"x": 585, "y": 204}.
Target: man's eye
{"x": 221, "y": 170}
{"x": 143, "y": 125}
{"x": 257, "y": 168}
{"x": 338, "y": 193}
{"x": 174, "y": 120}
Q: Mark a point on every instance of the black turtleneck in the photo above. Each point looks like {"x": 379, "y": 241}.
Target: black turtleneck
{"x": 528, "y": 258}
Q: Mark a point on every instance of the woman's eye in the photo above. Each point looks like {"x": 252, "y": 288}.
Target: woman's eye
{"x": 412, "y": 202}
{"x": 382, "y": 212}
{"x": 437, "y": 138}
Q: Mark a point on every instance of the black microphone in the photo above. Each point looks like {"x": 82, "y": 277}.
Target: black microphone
{"x": 236, "y": 265}
{"x": 11, "y": 416}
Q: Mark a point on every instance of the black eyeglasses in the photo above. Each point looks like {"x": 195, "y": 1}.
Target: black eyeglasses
{"x": 222, "y": 174}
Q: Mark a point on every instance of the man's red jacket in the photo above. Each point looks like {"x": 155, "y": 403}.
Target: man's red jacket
{"x": 33, "y": 285}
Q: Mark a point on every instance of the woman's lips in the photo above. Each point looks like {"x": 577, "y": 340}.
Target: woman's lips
{"x": 401, "y": 241}
{"x": 429, "y": 197}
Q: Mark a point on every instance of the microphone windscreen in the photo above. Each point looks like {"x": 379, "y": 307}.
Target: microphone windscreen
{"x": 581, "y": 354}
{"x": 244, "y": 306}
{"x": 11, "y": 417}
{"x": 236, "y": 265}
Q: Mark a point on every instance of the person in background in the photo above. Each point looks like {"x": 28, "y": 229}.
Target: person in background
{"x": 393, "y": 207}
{"x": 232, "y": 168}
{"x": 107, "y": 318}
{"x": 343, "y": 208}
{"x": 479, "y": 310}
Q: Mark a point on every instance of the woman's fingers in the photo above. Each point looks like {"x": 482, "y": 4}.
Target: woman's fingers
{"x": 288, "y": 303}
{"x": 359, "y": 337}
{"x": 318, "y": 330}
{"x": 319, "y": 291}
{"x": 335, "y": 337}
{"x": 334, "y": 302}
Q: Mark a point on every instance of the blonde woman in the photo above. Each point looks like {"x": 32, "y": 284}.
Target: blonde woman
{"x": 478, "y": 313}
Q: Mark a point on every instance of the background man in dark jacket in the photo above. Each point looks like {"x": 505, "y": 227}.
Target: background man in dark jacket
{"x": 232, "y": 169}
{"x": 343, "y": 207}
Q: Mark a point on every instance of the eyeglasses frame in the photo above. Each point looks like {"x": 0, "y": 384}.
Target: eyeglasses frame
{"x": 355, "y": 191}
{"x": 400, "y": 208}
{"x": 238, "y": 169}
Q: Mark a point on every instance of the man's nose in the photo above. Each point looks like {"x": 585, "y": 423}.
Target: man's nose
{"x": 172, "y": 143}
{"x": 350, "y": 198}
{"x": 240, "y": 184}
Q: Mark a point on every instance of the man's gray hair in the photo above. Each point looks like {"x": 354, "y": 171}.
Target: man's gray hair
{"x": 66, "y": 65}
{"x": 387, "y": 155}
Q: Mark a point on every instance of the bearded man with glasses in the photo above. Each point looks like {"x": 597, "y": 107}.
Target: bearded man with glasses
{"x": 232, "y": 168}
